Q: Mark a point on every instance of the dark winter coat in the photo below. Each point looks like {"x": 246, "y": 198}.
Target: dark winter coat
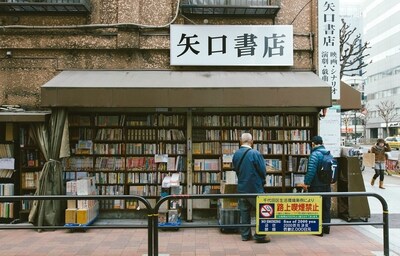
{"x": 315, "y": 160}
{"x": 251, "y": 176}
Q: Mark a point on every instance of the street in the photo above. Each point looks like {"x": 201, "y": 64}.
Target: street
{"x": 391, "y": 194}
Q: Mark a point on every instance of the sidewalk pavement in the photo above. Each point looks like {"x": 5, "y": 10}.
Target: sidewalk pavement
{"x": 391, "y": 195}
{"x": 343, "y": 240}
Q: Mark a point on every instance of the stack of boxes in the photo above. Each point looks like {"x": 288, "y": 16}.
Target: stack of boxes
{"x": 170, "y": 213}
{"x": 81, "y": 212}
{"x": 228, "y": 212}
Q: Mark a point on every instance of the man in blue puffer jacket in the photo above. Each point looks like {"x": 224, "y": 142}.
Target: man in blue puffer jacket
{"x": 313, "y": 184}
{"x": 251, "y": 172}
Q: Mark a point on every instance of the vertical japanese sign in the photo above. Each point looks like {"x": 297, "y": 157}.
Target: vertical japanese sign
{"x": 289, "y": 215}
{"x": 330, "y": 130}
{"x": 231, "y": 45}
{"x": 328, "y": 44}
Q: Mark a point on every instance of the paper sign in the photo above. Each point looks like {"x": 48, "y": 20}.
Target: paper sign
{"x": 7, "y": 163}
{"x": 161, "y": 158}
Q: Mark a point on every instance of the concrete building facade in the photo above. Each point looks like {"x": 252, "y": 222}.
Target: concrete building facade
{"x": 119, "y": 35}
{"x": 381, "y": 28}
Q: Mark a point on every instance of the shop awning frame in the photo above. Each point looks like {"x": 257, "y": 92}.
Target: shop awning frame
{"x": 350, "y": 98}
{"x": 158, "y": 88}
{"x": 24, "y": 116}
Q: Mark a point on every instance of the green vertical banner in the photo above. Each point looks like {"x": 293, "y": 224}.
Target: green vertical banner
{"x": 289, "y": 215}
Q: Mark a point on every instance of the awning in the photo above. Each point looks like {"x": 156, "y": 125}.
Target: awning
{"x": 102, "y": 88}
{"x": 24, "y": 116}
{"x": 350, "y": 98}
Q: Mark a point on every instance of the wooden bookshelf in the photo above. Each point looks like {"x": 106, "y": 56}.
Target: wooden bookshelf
{"x": 284, "y": 139}
{"x": 8, "y": 174}
{"x": 120, "y": 151}
{"x": 31, "y": 161}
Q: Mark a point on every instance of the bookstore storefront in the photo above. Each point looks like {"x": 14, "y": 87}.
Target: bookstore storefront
{"x": 215, "y": 106}
{"x": 121, "y": 122}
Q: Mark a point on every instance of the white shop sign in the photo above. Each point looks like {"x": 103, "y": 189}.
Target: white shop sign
{"x": 329, "y": 44}
{"x": 236, "y": 45}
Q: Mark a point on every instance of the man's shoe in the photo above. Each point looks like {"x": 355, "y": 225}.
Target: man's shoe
{"x": 263, "y": 240}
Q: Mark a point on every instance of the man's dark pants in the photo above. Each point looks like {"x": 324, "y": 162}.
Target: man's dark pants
{"x": 246, "y": 206}
{"x": 326, "y": 206}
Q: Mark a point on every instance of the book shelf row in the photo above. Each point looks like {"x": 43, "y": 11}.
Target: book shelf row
{"x": 202, "y": 134}
{"x": 7, "y": 210}
{"x": 87, "y": 147}
{"x": 174, "y": 120}
{"x": 242, "y": 120}
{"x": 92, "y": 164}
{"x": 131, "y": 178}
{"x": 6, "y": 173}
{"x": 6, "y": 150}
{"x": 120, "y": 134}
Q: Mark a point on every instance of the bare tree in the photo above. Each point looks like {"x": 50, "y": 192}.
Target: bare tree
{"x": 387, "y": 110}
{"x": 346, "y": 119}
{"x": 365, "y": 116}
{"x": 352, "y": 52}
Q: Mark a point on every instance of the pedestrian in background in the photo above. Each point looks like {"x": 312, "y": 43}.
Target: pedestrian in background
{"x": 313, "y": 184}
{"x": 250, "y": 169}
{"x": 379, "y": 149}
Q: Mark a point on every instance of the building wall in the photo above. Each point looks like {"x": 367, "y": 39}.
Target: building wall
{"x": 119, "y": 34}
{"x": 382, "y": 30}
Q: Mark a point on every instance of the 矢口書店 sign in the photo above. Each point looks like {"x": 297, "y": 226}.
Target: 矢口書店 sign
{"x": 231, "y": 45}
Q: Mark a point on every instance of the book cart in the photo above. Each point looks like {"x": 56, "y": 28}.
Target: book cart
{"x": 169, "y": 215}
{"x": 81, "y": 213}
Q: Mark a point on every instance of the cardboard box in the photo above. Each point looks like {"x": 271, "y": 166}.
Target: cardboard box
{"x": 86, "y": 186}
{"x": 82, "y": 216}
{"x": 228, "y": 203}
{"x": 71, "y": 187}
{"x": 228, "y": 188}
{"x": 71, "y": 204}
{"x": 201, "y": 203}
{"x": 70, "y": 216}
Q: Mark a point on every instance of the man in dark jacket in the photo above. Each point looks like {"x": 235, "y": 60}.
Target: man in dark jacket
{"x": 251, "y": 172}
{"x": 313, "y": 184}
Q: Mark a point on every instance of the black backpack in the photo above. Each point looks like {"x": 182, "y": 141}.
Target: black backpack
{"x": 328, "y": 169}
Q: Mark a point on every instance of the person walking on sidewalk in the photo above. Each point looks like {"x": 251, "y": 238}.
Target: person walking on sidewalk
{"x": 250, "y": 169}
{"x": 379, "y": 149}
{"x": 313, "y": 184}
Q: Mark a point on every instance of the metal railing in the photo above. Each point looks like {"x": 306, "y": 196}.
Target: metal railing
{"x": 152, "y": 213}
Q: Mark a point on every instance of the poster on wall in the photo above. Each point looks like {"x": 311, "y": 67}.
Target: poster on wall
{"x": 330, "y": 130}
